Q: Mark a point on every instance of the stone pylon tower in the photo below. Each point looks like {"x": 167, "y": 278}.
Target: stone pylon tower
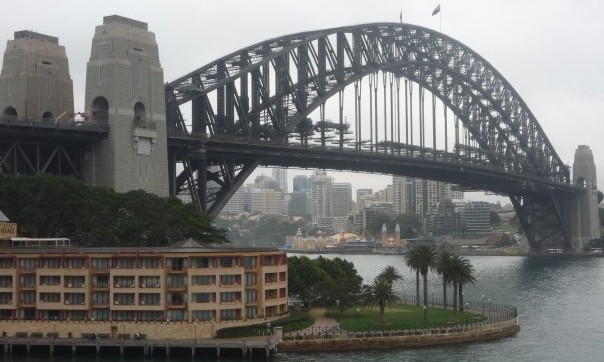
{"x": 125, "y": 89}
{"x": 586, "y": 226}
{"x": 35, "y": 82}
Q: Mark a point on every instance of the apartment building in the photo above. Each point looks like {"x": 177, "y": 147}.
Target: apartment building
{"x": 187, "y": 283}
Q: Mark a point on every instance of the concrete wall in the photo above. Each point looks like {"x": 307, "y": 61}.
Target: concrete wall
{"x": 476, "y": 333}
{"x": 35, "y": 76}
{"x": 124, "y": 70}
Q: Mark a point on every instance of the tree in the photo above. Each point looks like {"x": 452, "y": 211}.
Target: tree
{"x": 52, "y": 206}
{"x": 461, "y": 273}
{"x": 323, "y": 281}
{"x": 422, "y": 258}
{"x": 443, "y": 268}
{"x": 381, "y": 291}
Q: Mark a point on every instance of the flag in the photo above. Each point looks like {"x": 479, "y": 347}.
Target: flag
{"x": 436, "y": 11}
{"x": 401, "y": 16}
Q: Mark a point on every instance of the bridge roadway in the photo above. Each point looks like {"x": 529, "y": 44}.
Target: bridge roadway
{"x": 405, "y": 161}
{"x": 146, "y": 347}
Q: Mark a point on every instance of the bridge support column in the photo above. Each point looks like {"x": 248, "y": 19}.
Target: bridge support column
{"x": 585, "y": 220}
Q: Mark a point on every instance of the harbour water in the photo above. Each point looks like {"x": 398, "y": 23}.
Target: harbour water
{"x": 560, "y": 302}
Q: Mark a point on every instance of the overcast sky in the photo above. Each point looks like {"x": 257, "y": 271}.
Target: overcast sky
{"x": 551, "y": 51}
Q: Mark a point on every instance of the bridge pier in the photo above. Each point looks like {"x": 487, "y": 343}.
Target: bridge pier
{"x": 585, "y": 218}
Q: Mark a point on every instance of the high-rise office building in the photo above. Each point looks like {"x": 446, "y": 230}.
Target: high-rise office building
{"x": 280, "y": 175}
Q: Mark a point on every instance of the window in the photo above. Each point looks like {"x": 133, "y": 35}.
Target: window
{"x": 250, "y": 279}
{"x": 50, "y": 297}
{"x": 27, "y": 264}
{"x": 121, "y": 281}
{"x": 204, "y": 297}
{"x": 270, "y": 294}
{"x": 229, "y": 262}
{"x": 149, "y": 282}
{"x": 6, "y": 298}
{"x": 100, "y": 298}
{"x": 177, "y": 315}
{"x": 100, "y": 110}
{"x": 75, "y": 281}
{"x": 202, "y": 262}
{"x": 125, "y": 315}
{"x": 177, "y": 281}
{"x": 251, "y": 312}
{"x": 250, "y": 296}
{"x": 6, "y": 263}
{"x": 176, "y": 298}
{"x": 101, "y": 314}
{"x": 229, "y": 314}
{"x": 230, "y": 279}
{"x": 27, "y": 297}
{"x": 124, "y": 263}
{"x": 154, "y": 315}
{"x": 150, "y": 263}
{"x": 204, "y": 315}
{"x": 75, "y": 263}
{"x": 100, "y": 263}
{"x": 50, "y": 280}
{"x": 123, "y": 298}
{"x": 203, "y": 280}
{"x": 270, "y": 278}
{"x": 250, "y": 262}
{"x": 177, "y": 263}
{"x": 230, "y": 297}
{"x": 51, "y": 263}
{"x": 27, "y": 281}
{"x": 149, "y": 298}
{"x": 74, "y": 298}
{"x": 6, "y": 281}
{"x": 100, "y": 281}
{"x": 282, "y": 276}
{"x": 76, "y": 315}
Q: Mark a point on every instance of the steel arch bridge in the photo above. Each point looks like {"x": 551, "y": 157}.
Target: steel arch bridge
{"x": 252, "y": 107}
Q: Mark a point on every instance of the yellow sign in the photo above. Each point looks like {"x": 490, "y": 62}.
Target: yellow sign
{"x": 8, "y": 230}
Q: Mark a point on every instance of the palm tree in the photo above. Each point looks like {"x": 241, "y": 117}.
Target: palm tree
{"x": 422, "y": 258}
{"x": 381, "y": 291}
{"x": 412, "y": 261}
{"x": 443, "y": 267}
{"x": 462, "y": 272}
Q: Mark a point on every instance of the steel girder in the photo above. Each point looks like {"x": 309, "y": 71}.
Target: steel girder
{"x": 307, "y": 68}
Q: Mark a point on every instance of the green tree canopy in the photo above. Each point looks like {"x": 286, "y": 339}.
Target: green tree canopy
{"x": 324, "y": 281}
{"x": 51, "y": 206}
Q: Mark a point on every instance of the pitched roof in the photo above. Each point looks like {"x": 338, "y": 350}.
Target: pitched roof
{"x": 3, "y": 217}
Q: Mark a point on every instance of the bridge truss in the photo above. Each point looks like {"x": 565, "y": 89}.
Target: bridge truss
{"x": 256, "y": 107}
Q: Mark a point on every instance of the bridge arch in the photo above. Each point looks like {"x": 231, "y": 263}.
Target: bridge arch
{"x": 262, "y": 92}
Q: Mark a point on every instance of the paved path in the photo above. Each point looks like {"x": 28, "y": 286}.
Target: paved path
{"x": 322, "y": 323}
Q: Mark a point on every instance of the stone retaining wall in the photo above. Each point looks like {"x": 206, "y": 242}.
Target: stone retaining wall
{"x": 475, "y": 333}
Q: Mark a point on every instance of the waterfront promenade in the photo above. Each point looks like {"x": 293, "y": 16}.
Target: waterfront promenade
{"x": 326, "y": 335}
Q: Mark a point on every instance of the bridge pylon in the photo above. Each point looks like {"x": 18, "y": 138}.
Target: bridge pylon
{"x": 585, "y": 222}
{"x": 124, "y": 89}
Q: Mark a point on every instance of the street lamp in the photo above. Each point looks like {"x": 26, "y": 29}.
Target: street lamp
{"x": 358, "y": 315}
{"x": 268, "y": 332}
{"x": 489, "y": 308}
{"x": 425, "y": 314}
{"x": 483, "y": 304}
{"x": 467, "y": 314}
{"x": 54, "y": 331}
{"x": 338, "y": 307}
{"x": 124, "y": 332}
{"x": 195, "y": 328}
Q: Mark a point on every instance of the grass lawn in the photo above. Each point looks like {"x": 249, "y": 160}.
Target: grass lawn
{"x": 295, "y": 321}
{"x": 402, "y": 316}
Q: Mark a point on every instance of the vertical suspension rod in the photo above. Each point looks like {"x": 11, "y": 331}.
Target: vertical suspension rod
{"x": 370, "y": 113}
{"x": 375, "y": 88}
{"x": 385, "y": 81}
{"x": 398, "y": 113}
{"x": 434, "y": 125}
{"x": 391, "y": 114}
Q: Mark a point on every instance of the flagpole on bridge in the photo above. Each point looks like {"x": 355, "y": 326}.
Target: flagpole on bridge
{"x": 440, "y": 17}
